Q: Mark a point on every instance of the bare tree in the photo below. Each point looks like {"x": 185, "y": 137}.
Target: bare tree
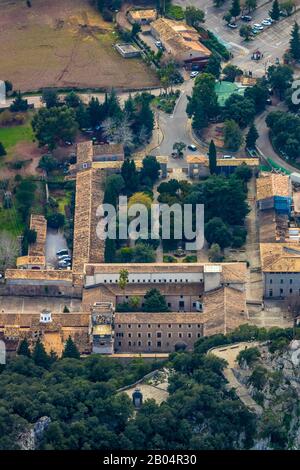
{"x": 109, "y": 128}
{"x": 8, "y": 251}
{"x": 123, "y": 134}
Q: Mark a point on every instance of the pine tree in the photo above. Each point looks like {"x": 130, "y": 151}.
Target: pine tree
{"x": 23, "y": 349}
{"x": 235, "y": 9}
{"x": 275, "y": 12}
{"x": 2, "y": 150}
{"x": 252, "y": 137}
{"x": 212, "y": 155}
{"x": 40, "y": 356}
{"x": 295, "y": 42}
{"x": 71, "y": 349}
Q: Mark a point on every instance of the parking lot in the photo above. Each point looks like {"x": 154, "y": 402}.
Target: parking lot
{"x": 272, "y": 41}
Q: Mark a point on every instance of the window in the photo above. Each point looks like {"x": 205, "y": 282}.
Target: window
{"x": 129, "y": 335}
{"x": 149, "y": 335}
{"x": 291, "y": 281}
{"x": 194, "y": 304}
{"x": 158, "y": 334}
{"x": 119, "y": 343}
{"x": 189, "y": 326}
{"x": 199, "y": 326}
{"x": 149, "y": 326}
{"x": 281, "y": 281}
{"x": 180, "y": 335}
{"x": 179, "y": 326}
{"x": 169, "y": 305}
{"x": 129, "y": 326}
{"x": 271, "y": 281}
{"x": 189, "y": 335}
{"x": 129, "y": 343}
{"x": 158, "y": 326}
{"x": 270, "y": 293}
{"x": 198, "y": 335}
{"x": 169, "y": 326}
{"x": 158, "y": 344}
{"x": 139, "y": 326}
{"x": 139, "y": 343}
{"x": 169, "y": 335}
{"x": 281, "y": 291}
{"x": 139, "y": 335}
{"x": 149, "y": 343}
{"x": 291, "y": 291}
{"x": 119, "y": 326}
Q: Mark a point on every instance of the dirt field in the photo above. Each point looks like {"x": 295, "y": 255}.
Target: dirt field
{"x": 63, "y": 43}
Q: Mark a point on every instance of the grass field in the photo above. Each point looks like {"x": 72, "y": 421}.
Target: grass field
{"x": 10, "y": 221}
{"x": 64, "y": 43}
{"x": 10, "y": 136}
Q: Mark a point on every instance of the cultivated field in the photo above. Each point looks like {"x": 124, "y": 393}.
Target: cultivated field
{"x": 63, "y": 43}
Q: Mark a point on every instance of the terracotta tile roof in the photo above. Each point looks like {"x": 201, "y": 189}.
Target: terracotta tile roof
{"x": 203, "y": 160}
{"x": 108, "y": 149}
{"x": 272, "y": 185}
{"x": 237, "y": 161}
{"x": 179, "y": 36}
{"x": 89, "y": 195}
{"x": 39, "y": 224}
{"x": 163, "y": 317}
{"x": 148, "y": 14}
{"x": 31, "y": 260}
{"x": 39, "y": 275}
{"x": 29, "y": 320}
{"x": 280, "y": 257}
{"x": 84, "y": 152}
{"x": 231, "y": 272}
{"x": 199, "y": 159}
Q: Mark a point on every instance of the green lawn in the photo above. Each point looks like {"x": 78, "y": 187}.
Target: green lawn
{"x": 10, "y": 136}
{"x": 10, "y": 221}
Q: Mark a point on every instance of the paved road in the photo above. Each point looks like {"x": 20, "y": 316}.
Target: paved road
{"x": 263, "y": 142}
{"x": 175, "y": 127}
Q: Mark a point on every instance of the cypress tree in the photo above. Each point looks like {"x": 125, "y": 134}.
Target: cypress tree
{"x": 252, "y": 137}
{"x": 40, "y": 356}
{"x": 275, "y": 12}
{"x": 235, "y": 9}
{"x": 23, "y": 349}
{"x": 2, "y": 150}
{"x": 71, "y": 349}
{"x": 295, "y": 42}
{"x": 212, "y": 155}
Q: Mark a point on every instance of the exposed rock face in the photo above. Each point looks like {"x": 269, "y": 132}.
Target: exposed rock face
{"x": 30, "y": 439}
{"x": 273, "y": 381}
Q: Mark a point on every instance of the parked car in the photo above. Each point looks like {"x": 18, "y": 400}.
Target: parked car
{"x": 192, "y": 147}
{"x": 158, "y": 44}
{"x": 254, "y": 31}
{"x": 269, "y": 101}
{"x": 227, "y": 157}
{"x": 266, "y": 22}
{"x": 246, "y": 18}
{"x": 232, "y": 25}
{"x": 62, "y": 252}
{"x": 194, "y": 74}
{"x": 258, "y": 26}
